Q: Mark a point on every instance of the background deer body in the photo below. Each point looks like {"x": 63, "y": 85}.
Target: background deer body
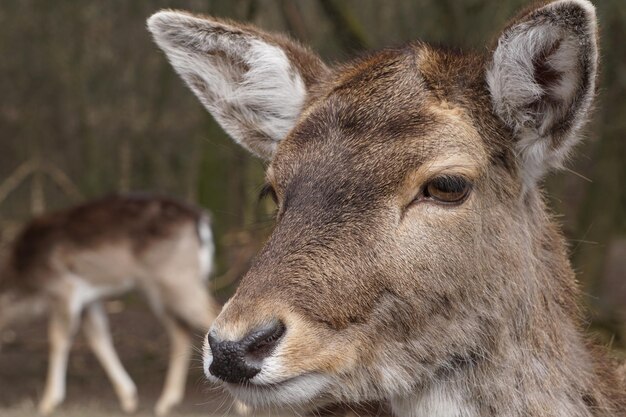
{"x": 413, "y": 260}
{"x": 69, "y": 261}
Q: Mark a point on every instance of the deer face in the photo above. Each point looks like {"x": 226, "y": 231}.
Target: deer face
{"x": 364, "y": 249}
{"x": 403, "y": 183}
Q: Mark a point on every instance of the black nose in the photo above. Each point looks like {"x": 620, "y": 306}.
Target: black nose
{"x": 239, "y": 361}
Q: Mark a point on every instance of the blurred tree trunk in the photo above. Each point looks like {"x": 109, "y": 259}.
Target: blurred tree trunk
{"x": 348, "y": 30}
{"x": 603, "y": 210}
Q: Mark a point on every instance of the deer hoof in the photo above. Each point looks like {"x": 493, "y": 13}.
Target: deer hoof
{"x": 165, "y": 405}
{"x": 130, "y": 404}
{"x": 47, "y": 405}
{"x": 242, "y": 409}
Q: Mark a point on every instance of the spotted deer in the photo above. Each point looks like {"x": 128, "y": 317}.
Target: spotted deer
{"x": 69, "y": 261}
{"x": 413, "y": 261}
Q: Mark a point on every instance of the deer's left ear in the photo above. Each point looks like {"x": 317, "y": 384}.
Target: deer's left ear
{"x": 542, "y": 81}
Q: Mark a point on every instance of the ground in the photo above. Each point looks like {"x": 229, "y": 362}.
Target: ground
{"x": 143, "y": 347}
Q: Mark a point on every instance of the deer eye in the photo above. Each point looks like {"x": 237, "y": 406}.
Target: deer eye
{"x": 446, "y": 190}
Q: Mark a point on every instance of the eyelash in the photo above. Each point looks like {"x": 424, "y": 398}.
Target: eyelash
{"x": 268, "y": 191}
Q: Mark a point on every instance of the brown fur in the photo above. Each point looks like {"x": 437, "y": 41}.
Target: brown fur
{"x": 443, "y": 310}
{"x": 140, "y": 219}
{"x": 320, "y": 245}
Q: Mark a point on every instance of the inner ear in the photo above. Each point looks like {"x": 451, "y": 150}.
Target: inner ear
{"x": 558, "y": 72}
{"x": 547, "y": 75}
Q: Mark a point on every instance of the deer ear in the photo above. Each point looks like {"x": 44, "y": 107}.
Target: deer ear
{"x": 253, "y": 83}
{"x": 542, "y": 81}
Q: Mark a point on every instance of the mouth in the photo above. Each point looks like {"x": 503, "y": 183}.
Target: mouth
{"x": 295, "y": 391}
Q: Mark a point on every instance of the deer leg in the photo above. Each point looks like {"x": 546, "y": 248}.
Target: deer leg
{"x": 96, "y": 330}
{"x": 180, "y": 354}
{"x": 61, "y": 329}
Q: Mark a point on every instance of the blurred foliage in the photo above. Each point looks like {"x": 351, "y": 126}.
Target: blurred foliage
{"x": 86, "y": 91}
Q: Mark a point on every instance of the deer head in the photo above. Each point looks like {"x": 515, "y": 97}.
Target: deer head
{"x": 411, "y": 239}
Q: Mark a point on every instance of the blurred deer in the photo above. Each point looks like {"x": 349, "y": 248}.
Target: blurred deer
{"x": 69, "y": 261}
{"x": 414, "y": 260}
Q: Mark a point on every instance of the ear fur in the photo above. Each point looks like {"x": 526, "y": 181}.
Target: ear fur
{"x": 253, "y": 83}
{"x": 542, "y": 80}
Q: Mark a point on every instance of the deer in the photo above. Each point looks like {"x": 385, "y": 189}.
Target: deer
{"x": 414, "y": 260}
{"x": 68, "y": 262}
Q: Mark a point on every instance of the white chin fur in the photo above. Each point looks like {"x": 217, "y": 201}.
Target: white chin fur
{"x": 296, "y": 391}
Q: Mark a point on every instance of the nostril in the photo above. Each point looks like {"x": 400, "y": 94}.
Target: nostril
{"x": 261, "y": 343}
{"x": 210, "y": 337}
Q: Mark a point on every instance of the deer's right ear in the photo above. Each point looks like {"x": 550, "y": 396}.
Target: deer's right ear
{"x": 253, "y": 83}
